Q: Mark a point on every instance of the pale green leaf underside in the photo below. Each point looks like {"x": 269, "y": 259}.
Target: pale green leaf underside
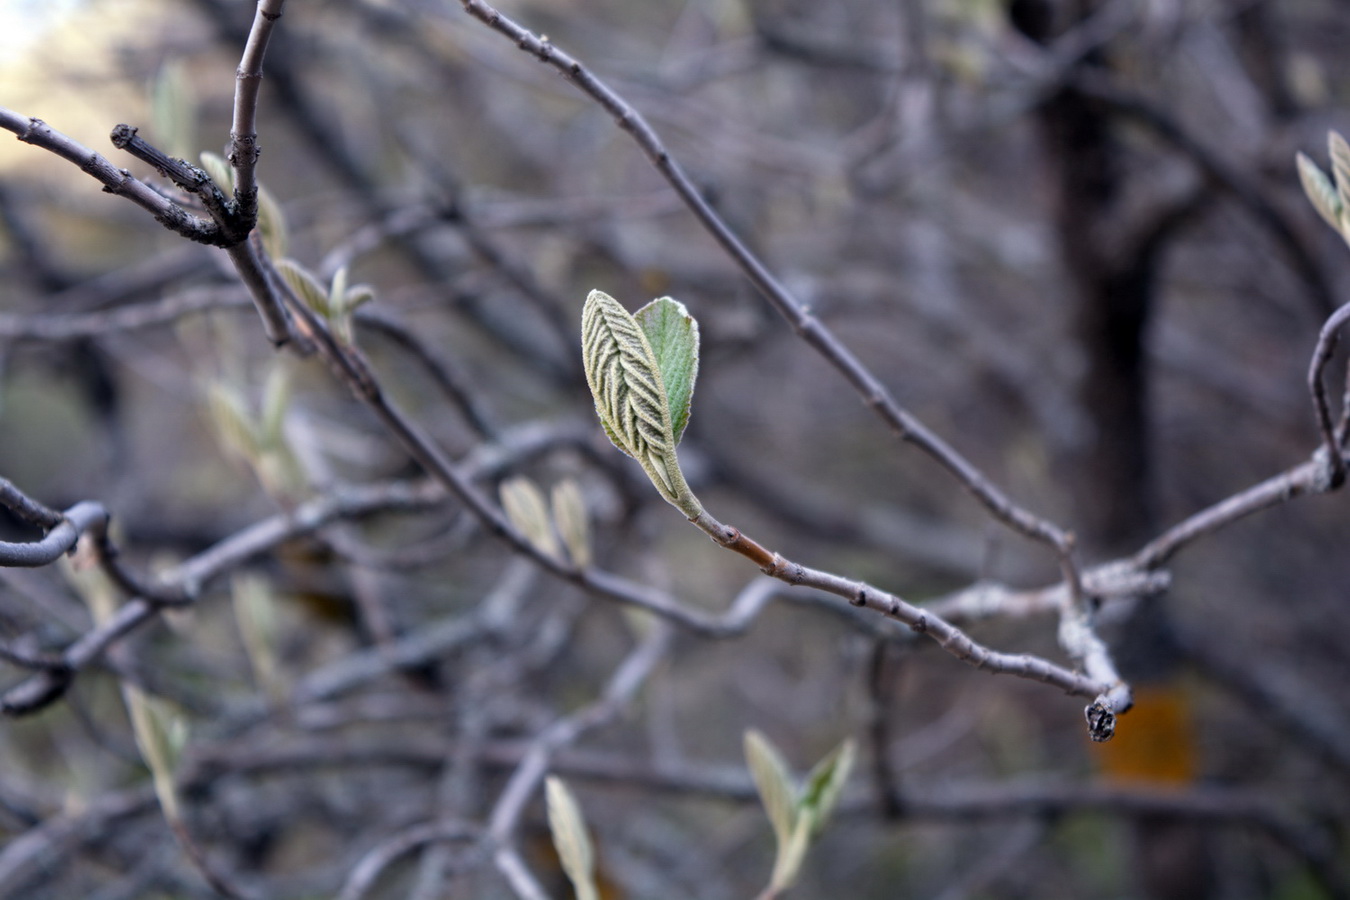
{"x": 672, "y": 334}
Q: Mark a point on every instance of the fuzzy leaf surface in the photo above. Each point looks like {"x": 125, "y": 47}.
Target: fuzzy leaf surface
{"x": 625, "y": 381}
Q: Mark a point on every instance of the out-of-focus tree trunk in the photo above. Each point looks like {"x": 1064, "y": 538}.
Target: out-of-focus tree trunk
{"x": 1112, "y": 264}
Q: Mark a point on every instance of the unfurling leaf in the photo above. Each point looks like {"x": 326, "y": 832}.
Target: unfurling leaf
{"x": 630, "y": 395}
{"x": 357, "y": 296}
{"x": 568, "y": 827}
{"x": 230, "y": 416}
{"x": 797, "y": 815}
{"x": 825, "y": 783}
{"x": 1339, "y": 151}
{"x": 305, "y": 286}
{"x": 161, "y": 734}
{"x": 337, "y": 291}
{"x": 788, "y": 863}
{"x": 272, "y": 224}
{"x": 276, "y": 399}
{"x": 774, "y": 783}
{"x": 569, "y": 514}
{"x": 673, "y": 336}
{"x": 1320, "y": 191}
{"x": 219, "y": 170}
{"x": 255, "y": 614}
{"x": 525, "y": 507}
{"x": 174, "y": 110}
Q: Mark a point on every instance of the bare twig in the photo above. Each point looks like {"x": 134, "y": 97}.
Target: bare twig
{"x": 71, "y": 327}
{"x": 451, "y": 382}
{"x": 60, "y": 540}
{"x": 623, "y": 685}
{"x": 1113, "y": 696}
{"x": 370, "y": 866}
{"x": 618, "y": 692}
{"x": 244, "y": 150}
{"x": 1308, "y": 478}
{"x": 1326, "y": 345}
{"x": 26, "y": 508}
{"x": 229, "y": 232}
{"x": 190, "y": 577}
{"x": 114, "y": 180}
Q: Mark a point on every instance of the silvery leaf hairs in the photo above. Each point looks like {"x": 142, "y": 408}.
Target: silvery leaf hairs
{"x": 641, "y": 370}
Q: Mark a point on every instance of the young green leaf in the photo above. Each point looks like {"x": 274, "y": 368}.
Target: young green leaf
{"x": 305, "y": 285}
{"x": 525, "y": 507}
{"x": 174, "y": 110}
{"x": 1321, "y": 193}
{"x": 775, "y": 786}
{"x": 272, "y": 224}
{"x": 630, "y": 396}
{"x": 219, "y": 170}
{"x": 673, "y": 336}
{"x": 230, "y": 415}
{"x": 569, "y": 514}
{"x": 1340, "y": 166}
{"x": 358, "y": 295}
{"x": 337, "y": 291}
{"x": 787, "y": 865}
{"x": 161, "y": 734}
{"x": 825, "y": 784}
{"x": 255, "y": 614}
{"x": 568, "y": 828}
{"x": 276, "y": 400}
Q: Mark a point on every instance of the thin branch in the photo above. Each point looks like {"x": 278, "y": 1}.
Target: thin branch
{"x": 60, "y": 540}
{"x": 623, "y": 685}
{"x": 621, "y": 688}
{"x": 25, "y": 507}
{"x": 380, "y": 857}
{"x": 191, "y": 576}
{"x": 249, "y": 261}
{"x": 244, "y": 150}
{"x": 188, "y": 177}
{"x": 451, "y": 382}
{"x": 1308, "y": 478}
{"x": 70, "y": 327}
{"x": 1113, "y": 696}
{"x": 517, "y": 874}
{"x": 225, "y": 232}
{"x": 114, "y": 180}
{"x": 1326, "y": 345}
